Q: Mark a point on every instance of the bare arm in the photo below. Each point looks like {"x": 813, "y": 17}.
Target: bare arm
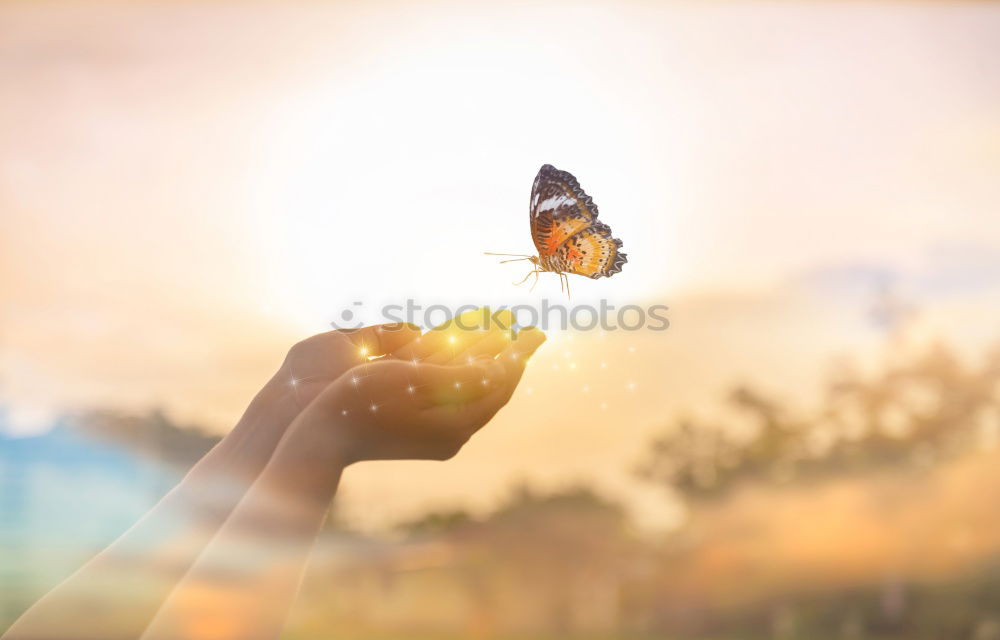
{"x": 118, "y": 592}
{"x": 244, "y": 583}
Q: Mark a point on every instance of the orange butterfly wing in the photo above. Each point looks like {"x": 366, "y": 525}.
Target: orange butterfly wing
{"x": 565, "y": 228}
{"x": 592, "y": 253}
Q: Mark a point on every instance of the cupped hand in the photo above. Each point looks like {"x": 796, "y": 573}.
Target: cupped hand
{"x": 479, "y": 332}
{"x": 393, "y": 408}
{"x": 312, "y": 364}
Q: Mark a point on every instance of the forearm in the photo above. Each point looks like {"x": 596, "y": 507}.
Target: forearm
{"x": 129, "y": 580}
{"x": 249, "y": 573}
{"x": 243, "y": 584}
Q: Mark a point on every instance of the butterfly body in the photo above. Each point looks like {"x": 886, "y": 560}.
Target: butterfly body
{"x": 566, "y": 232}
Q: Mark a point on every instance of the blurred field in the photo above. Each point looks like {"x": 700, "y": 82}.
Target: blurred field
{"x": 868, "y": 515}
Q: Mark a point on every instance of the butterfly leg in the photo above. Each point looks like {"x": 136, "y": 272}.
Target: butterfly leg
{"x": 525, "y": 278}
{"x": 564, "y": 284}
{"x": 536, "y": 272}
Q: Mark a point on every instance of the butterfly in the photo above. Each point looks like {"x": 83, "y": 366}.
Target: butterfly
{"x": 569, "y": 237}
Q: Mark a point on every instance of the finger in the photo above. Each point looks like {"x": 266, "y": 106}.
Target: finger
{"x": 438, "y": 385}
{"x": 459, "y": 346}
{"x": 481, "y": 318}
{"x": 455, "y": 335}
{"x": 518, "y": 352}
{"x": 421, "y": 348}
{"x": 521, "y": 347}
{"x": 490, "y": 345}
{"x": 472, "y": 416}
{"x": 381, "y": 339}
{"x": 449, "y": 336}
{"x": 474, "y": 334}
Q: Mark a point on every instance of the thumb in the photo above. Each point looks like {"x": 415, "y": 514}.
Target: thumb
{"x": 381, "y": 339}
{"x": 515, "y": 356}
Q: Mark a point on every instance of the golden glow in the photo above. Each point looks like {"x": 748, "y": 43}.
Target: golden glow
{"x": 733, "y": 173}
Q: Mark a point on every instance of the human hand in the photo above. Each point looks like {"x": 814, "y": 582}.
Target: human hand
{"x": 312, "y": 364}
{"x": 316, "y": 362}
{"x": 466, "y": 336}
{"x": 410, "y": 409}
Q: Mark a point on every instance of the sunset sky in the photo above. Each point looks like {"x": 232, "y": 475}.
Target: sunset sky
{"x": 187, "y": 189}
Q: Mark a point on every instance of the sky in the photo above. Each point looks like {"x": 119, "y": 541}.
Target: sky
{"x": 187, "y": 189}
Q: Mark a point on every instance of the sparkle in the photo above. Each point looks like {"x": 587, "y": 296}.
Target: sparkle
{"x": 586, "y": 388}
{"x": 411, "y": 388}
{"x": 529, "y": 390}
{"x": 451, "y": 339}
{"x": 294, "y": 382}
{"x": 415, "y": 362}
{"x": 604, "y": 365}
{"x": 343, "y": 412}
{"x": 469, "y": 359}
{"x": 631, "y": 349}
{"x": 363, "y": 351}
{"x": 458, "y": 385}
{"x": 355, "y": 380}
{"x": 485, "y": 382}
{"x": 373, "y": 407}
{"x": 572, "y": 365}
{"x": 604, "y": 405}
{"x": 630, "y": 386}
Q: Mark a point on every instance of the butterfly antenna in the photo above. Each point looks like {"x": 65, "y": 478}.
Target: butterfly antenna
{"x": 508, "y": 255}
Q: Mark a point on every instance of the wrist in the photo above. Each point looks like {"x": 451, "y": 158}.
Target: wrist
{"x": 250, "y": 443}
{"x": 310, "y": 457}
{"x": 273, "y": 408}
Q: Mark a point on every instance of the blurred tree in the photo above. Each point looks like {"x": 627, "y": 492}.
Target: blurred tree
{"x": 435, "y": 522}
{"x": 915, "y": 412}
{"x": 152, "y": 434}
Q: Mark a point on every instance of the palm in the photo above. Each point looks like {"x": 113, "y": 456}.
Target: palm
{"x": 316, "y": 362}
{"x": 398, "y": 409}
{"x": 313, "y": 364}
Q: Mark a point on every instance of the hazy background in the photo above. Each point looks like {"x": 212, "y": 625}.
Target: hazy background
{"x": 187, "y": 189}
